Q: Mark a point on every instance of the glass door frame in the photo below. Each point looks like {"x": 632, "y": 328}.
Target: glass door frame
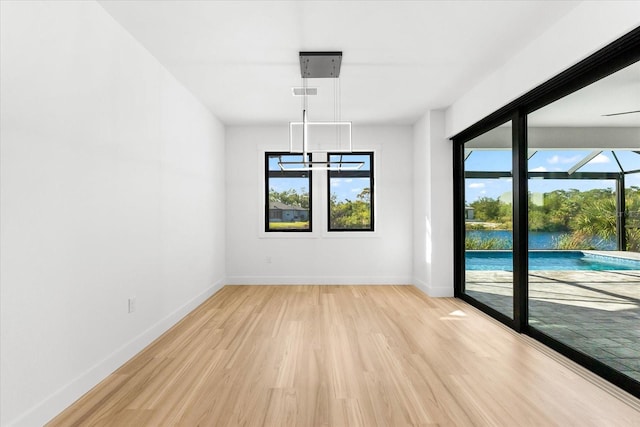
{"x": 519, "y": 191}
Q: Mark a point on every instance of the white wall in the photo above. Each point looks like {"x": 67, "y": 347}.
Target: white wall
{"x": 583, "y": 31}
{"x": 433, "y": 206}
{"x": 112, "y": 186}
{"x": 381, "y": 257}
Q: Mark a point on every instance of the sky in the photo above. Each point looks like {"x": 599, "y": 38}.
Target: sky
{"x": 495, "y": 160}
{"x": 546, "y": 161}
{"x": 344, "y": 188}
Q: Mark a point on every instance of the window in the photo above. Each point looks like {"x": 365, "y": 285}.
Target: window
{"x": 287, "y": 195}
{"x": 351, "y": 194}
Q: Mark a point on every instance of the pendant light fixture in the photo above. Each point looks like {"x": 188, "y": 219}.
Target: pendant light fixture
{"x": 319, "y": 65}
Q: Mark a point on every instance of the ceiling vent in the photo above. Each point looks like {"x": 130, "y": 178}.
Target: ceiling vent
{"x": 301, "y": 91}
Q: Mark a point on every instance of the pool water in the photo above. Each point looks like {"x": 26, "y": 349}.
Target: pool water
{"x": 548, "y": 260}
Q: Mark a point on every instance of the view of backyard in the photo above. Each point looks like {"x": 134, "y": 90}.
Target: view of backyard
{"x": 584, "y": 247}
{"x": 592, "y": 308}
{"x": 345, "y": 213}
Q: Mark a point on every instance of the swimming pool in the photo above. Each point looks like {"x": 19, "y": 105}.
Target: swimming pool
{"x": 548, "y": 260}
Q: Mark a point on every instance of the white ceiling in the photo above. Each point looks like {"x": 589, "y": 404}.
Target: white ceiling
{"x": 589, "y": 106}
{"x": 400, "y": 58}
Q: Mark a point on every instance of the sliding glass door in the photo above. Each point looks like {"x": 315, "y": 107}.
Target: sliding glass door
{"x": 547, "y": 193}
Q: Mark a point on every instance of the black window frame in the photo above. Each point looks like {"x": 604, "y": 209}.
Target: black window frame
{"x": 285, "y": 174}
{"x": 352, "y": 174}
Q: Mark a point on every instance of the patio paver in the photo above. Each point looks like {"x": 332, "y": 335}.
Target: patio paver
{"x": 596, "y": 312}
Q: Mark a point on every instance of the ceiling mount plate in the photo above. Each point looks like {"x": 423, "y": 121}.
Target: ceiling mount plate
{"x": 319, "y": 65}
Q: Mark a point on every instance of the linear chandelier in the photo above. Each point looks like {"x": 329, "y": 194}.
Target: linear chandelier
{"x": 319, "y": 65}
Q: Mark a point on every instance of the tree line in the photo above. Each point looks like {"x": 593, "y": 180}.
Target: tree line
{"x": 290, "y": 197}
{"x": 344, "y": 214}
{"x": 351, "y": 214}
{"x": 581, "y": 214}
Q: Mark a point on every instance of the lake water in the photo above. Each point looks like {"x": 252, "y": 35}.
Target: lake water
{"x": 537, "y": 239}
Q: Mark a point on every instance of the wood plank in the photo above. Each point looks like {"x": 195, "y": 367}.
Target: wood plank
{"x": 343, "y": 355}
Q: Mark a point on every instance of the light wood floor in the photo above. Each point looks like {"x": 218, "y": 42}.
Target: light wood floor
{"x": 343, "y": 356}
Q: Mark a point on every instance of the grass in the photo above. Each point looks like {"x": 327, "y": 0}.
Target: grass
{"x": 573, "y": 241}
{"x": 289, "y": 225}
{"x": 493, "y": 243}
{"x": 479, "y": 225}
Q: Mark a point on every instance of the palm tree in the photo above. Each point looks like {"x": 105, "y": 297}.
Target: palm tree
{"x": 597, "y": 218}
{"x": 633, "y": 218}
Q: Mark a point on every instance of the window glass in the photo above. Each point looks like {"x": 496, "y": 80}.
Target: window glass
{"x": 629, "y": 159}
{"x": 554, "y": 160}
{"x": 288, "y": 195}
{"x": 488, "y": 219}
{"x": 351, "y": 192}
{"x": 488, "y": 160}
{"x": 603, "y": 162}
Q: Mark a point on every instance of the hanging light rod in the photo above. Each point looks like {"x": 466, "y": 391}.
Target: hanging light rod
{"x": 319, "y": 65}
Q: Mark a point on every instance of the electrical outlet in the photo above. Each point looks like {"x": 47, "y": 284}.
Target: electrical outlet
{"x": 132, "y": 304}
{"x": 268, "y": 260}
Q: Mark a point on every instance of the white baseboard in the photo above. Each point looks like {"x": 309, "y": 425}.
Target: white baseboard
{"x": 318, "y": 280}
{"x": 421, "y": 285}
{"x": 65, "y": 396}
{"x": 433, "y": 291}
{"x": 440, "y": 292}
